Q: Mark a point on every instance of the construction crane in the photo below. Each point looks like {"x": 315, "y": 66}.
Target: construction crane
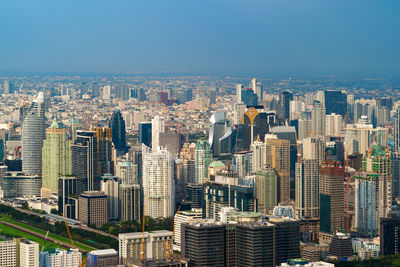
{"x": 172, "y": 237}
{"x": 72, "y": 242}
{"x": 45, "y": 239}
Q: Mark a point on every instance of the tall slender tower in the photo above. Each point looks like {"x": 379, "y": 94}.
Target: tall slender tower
{"x": 157, "y": 127}
{"x": 203, "y": 158}
{"x": 396, "y": 154}
{"x": 158, "y": 183}
{"x": 33, "y": 134}
{"x": 117, "y": 125}
{"x": 56, "y": 158}
{"x": 318, "y": 119}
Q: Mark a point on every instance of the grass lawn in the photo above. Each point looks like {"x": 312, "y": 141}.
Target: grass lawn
{"x": 43, "y": 232}
{"x": 5, "y": 229}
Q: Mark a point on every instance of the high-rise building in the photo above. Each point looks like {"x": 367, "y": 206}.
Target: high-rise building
{"x": 158, "y": 183}
{"x": 157, "y": 127}
{"x": 239, "y": 88}
{"x": 239, "y": 111}
{"x": 17, "y": 184}
{"x": 396, "y": 153}
{"x": 67, "y": 200}
{"x": 127, "y": 171}
{"x": 304, "y": 128}
{"x": 220, "y": 134}
{"x": 28, "y": 254}
{"x": 318, "y": 119}
{"x": 203, "y": 158}
{"x": 331, "y": 188}
{"x": 373, "y": 191}
{"x": 33, "y": 134}
{"x": 267, "y": 190}
{"x": 278, "y": 157}
{"x": 242, "y": 163}
{"x": 106, "y": 92}
{"x": 117, "y": 125}
{"x": 130, "y": 245}
{"x": 130, "y": 202}
{"x": 145, "y": 135}
{"x": 335, "y": 102}
{"x": 110, "y": 186}
{"x": 256, "y": 85}
{"x": 390, "y": 235}
{"x": 60, "y": 258}
{"x": 93, "y": 208}
{"x": 6, "y": 87}
{"x": 284, "y": 104}
{"x": 333, "y": 125}
{"x": 84, "y": 161}
{"x": 104, "y": 150}
{"x": 56, "y": 158}
{"x": 179, "y": 219}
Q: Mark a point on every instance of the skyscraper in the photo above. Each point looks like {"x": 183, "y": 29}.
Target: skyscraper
{"x": 105, "y": 162}
{"x": 84, "y": 161}
{"x": 390, "y": 235}
{"x": 110, "y": 186}
{"x": 157, "y": 127}
{"x": 117, "y": 125}
{"x": 130, "y": 202}
{"x": 239, "y": 88}
{"x": 6, "y": 87}
{"x": 318, "y": 119}
{"x": 256, "y": 85}
{"x": 396, "y": 153}
{"x": 158, "y": 183}
{"x": 203, "y": 158}
{"x": 33, "y": 134}
{"x": 335, "y": 102}
{"x": 267, "y": 190}
{"x": 284, "y": 103}
{"x": 93, "y": 208}
{"x": 220, "y": 134}
{"x": 56, "y": 156}
{"x": 145, "y": 135}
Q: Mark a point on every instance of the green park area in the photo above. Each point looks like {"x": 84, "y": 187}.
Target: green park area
{"x": 18, "y": 233}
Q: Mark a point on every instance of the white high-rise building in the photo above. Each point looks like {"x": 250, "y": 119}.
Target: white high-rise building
{"x": 259, "y": 151}
{"x": 304, "y": 128}
{"x": 33, "y": 134}
{"x": 183, "y": 217}
{"x": 158, "y": 183}
{"x": 157, "y": 127}
{"x": 107, "y": 92}
{"x": 8, "y": 253}
{"x": 296, "y": 108}
{"x": 239, "y": 111}
{"x": 333, "y": 125}
{"x": 239, "y": 88}
{"x": 110, "y": 186}
{"x": 29, "y": 254}
{"x": 61, "y": 258}
{"x": 318, "y": 119}
{"x": 127, "y": 171}
{"x": 256, "y": 85}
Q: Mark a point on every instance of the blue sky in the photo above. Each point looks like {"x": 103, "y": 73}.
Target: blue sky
{"x": 200, "y": 36}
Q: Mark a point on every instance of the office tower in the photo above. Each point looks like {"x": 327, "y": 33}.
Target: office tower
{"x": 189, "y": 171}
{"x": 249, "y": 97}
{"x": 195, "y": 195}
{"x": 307, "y": 179}
{"x": 199, "y": 238}
{"x": 331, "y": 180}
{"x": 220, "y": 134}
{"x": 104, "y": 150}
{"x": 296, "y": 109}
{"x": 28, "y": 254}
{"x": 242, "y": 163}
{"x": 256, "y": 85}
{"x": 336, "y": 102}
{"x": 154, "y": 245}
{"x": 318, "y": 119}
{"x": 33, "y": 134}
{"x": 340, "y": 247}
{"x": 122, "y": 91}
{"x": 258, "y": 155}
{"x": 127, "y": 171}
{"x": 106, "y": 92}
{"x": 256, "y": 124}
{"x": 2, "y": 152}
{"x": 67, "y": 201}
{"x": 130, "y": 202}
{"x": 84, "y": 161}
{"x": 288, "y": 133}
{"x": 389, "y": 235}
{"x": 218, "y": 195}
{"x": 60, "y": 258}
{"x": 179, "y": 219}
{"x": 373, "y": 197}
{"x": 239, "y": 89}
{"x": 284, "y": 104}
{"x": 320, "y": 97}
{"x": 158, "y": 183}
{"x": 239, "y": 110}
{"x": 17, "y": 184}
{"x": 6, "y": 87}
{"x": 157, "y": 127}
{"x": 93, "y": 208}
{"x": 145, "y": 135}
{"x": 304, "y": 128}
{"x": 333, "y": 125}
{"x": 117, "y": 125}
{"x": 267, "y": 190}
{"x": 56, "y": 158}
{"x": 102, "y": 258}
{"x": 75, "y": 125}
{"x": 203, "y": 158}
{"x": 278, "y": 157}
{"x": 110, "y": 186}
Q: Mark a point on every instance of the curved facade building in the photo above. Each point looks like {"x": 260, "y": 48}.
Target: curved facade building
{"x": 33, "y": 134}
{"x": 17, "y": 184}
